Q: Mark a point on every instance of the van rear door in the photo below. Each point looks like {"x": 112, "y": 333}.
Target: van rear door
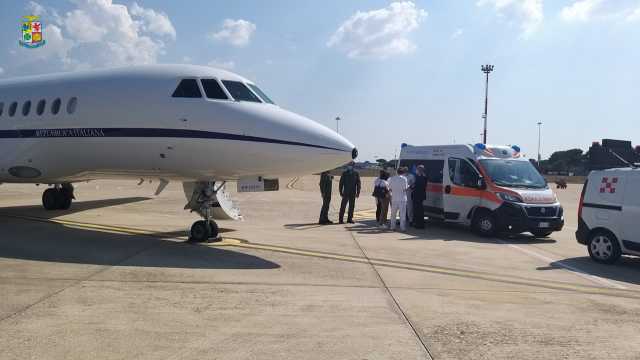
{"x": 461, "y": 192}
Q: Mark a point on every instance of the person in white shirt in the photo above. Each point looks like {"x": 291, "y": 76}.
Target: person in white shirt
{"x": 398, "y": 185}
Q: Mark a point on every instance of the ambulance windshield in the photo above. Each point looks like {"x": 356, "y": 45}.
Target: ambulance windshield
{"x": 513, "y": 173}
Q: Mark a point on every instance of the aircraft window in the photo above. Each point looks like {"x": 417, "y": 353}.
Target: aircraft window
{"x": 55, "y": 106}
{"x": 188, "y": 88}
{"x": 71, "y": 105}
{"x": 12, "y": 108}
{"x": 1, "y": 108}
{"x": 240, "y": 91}
{"x": 213, "y": 89}
{"x": 26, "y": 107}
{"x": 260, "y": 93}
{"x": 40, "y": 108}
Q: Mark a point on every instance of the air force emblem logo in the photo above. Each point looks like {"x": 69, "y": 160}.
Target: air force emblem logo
{"x": 31, "y": 32}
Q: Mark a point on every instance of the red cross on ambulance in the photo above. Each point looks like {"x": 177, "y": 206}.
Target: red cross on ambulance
{"x": 608, "y": 185}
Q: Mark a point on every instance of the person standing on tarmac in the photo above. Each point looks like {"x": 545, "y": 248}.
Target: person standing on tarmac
{"x": 349, "y": 190}
{"x": 399, "y": 186}
{"x": 411, "y": 179}
{"x": 326, "y": 184}
{"x": 381, "y": 193}
{"x": 419, "y": 196}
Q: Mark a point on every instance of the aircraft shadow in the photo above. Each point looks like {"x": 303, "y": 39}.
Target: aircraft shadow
{"x": 77, "y": 206}
{"x": 50, "y": 242}
{"x": 627, "y": 269}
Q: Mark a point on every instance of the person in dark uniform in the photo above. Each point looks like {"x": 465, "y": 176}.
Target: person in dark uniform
{"x": 326, "y": 184}
{"x": 419, "y": 196}
{"x": 349, "y": 190}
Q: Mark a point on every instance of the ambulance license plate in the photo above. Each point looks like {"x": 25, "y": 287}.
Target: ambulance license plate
{"x": 543, "y": 225}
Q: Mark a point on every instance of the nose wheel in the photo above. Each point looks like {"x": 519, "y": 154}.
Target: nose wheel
{"x": 58, "y": 198}
{"x": 204, "y": 231}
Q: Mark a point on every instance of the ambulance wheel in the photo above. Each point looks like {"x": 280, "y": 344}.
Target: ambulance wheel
{"x": 604, "y": 247}
{"x": 541, "y": 233}
{"x": 484, "y": 223}
{"x": 200, "y": 231}
{"x": 50, "y": 199}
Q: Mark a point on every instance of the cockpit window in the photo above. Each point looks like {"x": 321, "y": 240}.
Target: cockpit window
{"x": 188, "y": 88}
{"x": 213, "y": 90}
{"x": 260, "y": 93}
{"x": 240, "y": 91}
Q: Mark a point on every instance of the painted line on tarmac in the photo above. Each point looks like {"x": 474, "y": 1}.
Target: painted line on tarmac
{"x": 572, "y": 269}
{"x": 292, "y": 182}
{"x": 586, "y": 289}
{"x": 468, "y": 274}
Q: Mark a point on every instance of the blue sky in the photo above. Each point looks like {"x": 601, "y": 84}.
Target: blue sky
{"x": 394, "y": 72}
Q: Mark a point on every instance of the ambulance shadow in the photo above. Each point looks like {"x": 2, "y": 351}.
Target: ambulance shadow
{"x": 438, "y": 230}
{"x": 76, "y": 207}
{"x": 626, "y": 270}
{"x": 55, "y": 243}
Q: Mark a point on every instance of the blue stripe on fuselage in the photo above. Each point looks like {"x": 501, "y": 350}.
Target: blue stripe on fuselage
{"x": 144, "y": 133}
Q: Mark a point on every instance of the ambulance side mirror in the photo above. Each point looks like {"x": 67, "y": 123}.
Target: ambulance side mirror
{"x": 482, "y": 185}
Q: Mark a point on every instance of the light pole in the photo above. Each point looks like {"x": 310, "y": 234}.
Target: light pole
{"x": 486, "y": 69}
{"x": 539, "y": 141}
{"x": 337, "y": 126}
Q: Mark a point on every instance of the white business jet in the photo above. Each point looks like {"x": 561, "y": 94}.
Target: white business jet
{"x": 198, "y": 125}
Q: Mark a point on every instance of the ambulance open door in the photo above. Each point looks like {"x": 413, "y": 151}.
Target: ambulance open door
{"x": 461, "y": 189}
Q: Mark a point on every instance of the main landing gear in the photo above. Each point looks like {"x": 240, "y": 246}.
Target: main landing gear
{"x": 58, "y": 197}
{"x": 202, "y": 201}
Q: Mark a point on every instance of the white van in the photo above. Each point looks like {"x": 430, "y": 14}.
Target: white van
{"x": 490, "y": 188}
{"x": 609, "y": 213}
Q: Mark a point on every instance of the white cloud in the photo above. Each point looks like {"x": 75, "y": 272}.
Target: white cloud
{"x": 634, "y": 15}
{"x": 581, "y": 10}
{"x": 1, "y": 71}
{"x": 96, "y": 33}
{"x": 235, "y": 32}
{"x": 154, "y": 22}
{"x": 456, "y": 34}
{"x": 528, "y": 12}
{"x": 584, "y": 11}
{"x": 227, "y": 65}
{"x": 379, "y": 33}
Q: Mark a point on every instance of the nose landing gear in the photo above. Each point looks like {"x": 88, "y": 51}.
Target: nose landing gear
{"x": 202, "y": 201}
{"x": 58, "y": 198}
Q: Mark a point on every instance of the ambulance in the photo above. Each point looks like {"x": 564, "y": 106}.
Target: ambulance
{"x": 492, "y": 189}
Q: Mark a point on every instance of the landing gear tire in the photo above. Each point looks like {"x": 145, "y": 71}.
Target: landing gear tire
{"x": 57, "y": 199}
{"x": 484, "y": 224}
{"x": 604, "y": 247}
{"x": 64, "y": 199}
{"x": 200, "y": 231}
{"x": 213, "y": 227}
{"x": 50, "y": 199}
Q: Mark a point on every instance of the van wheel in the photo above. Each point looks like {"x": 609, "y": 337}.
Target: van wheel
{"x": 484, "y": 224}
{"x": 604, "y": 247}
{"x": 541, "y": 233}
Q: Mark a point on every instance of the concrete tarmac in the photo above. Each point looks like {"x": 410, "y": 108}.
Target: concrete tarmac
{"x": 113, "y": 278}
